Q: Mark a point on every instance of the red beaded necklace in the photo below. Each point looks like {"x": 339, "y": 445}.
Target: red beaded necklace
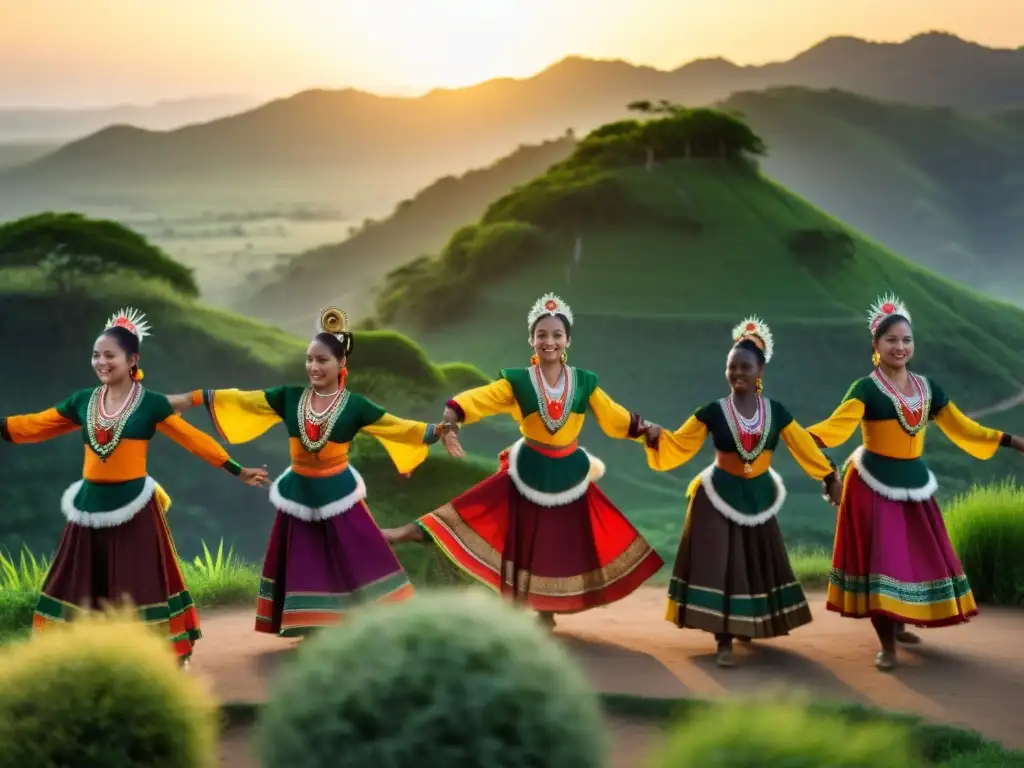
{"x": 748, "y": 439}
{"x": 555, "y": 408}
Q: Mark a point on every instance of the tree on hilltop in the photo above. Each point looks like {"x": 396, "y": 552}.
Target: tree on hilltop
{"x": 70, "y": 247}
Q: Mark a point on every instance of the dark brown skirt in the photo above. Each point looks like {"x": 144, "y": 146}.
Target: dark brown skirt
{"x": 133, "y": 563}
{"x": 733, "y": 579}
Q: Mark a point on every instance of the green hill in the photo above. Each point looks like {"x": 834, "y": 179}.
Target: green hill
{"x": 944, "y": 187}
{"x": 342, "y": 272}
{"x": 670, "y": 260}
{"x": 51, "y": 331}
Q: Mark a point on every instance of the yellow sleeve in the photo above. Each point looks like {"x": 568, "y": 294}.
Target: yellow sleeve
{"x": 198, "y": 443}
{"x": 488, "y": 400}
{"x": 840, "y": 426}
{"x": 614, "y": 420}
{"x": 239, "y": 416}
{"x": 676, "y": 448}
{"x": 806, "y": 451}
{"x": 407, "y": 442}
{"x": 968, "y": 435}
{"x": 35, "y": 427}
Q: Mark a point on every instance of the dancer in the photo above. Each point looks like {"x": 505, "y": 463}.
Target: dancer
{"x": 117, "y": 544}
{"x": 892, "y": 560}
{"x": 326, "y": 554}
{"x": 540, "y": 530}
{"x": 732, "y": 576}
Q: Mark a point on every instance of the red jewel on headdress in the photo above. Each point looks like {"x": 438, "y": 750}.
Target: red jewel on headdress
{"x": 312, "y": 431}
{"x": 888, "y": 308}
{"x": 551, "y": 305}
{"x": 751, "y": 326}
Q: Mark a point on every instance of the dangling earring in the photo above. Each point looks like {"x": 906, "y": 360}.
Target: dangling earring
{"x": 534, "y": 360}
{"x": 565, "y": 357}
{"x": 341, "y": 377}
{"x": 758, "y": 387}
{"x": 875, "y": 358}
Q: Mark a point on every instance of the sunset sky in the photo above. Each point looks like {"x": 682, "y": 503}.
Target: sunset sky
{"x": 99, "y": 52}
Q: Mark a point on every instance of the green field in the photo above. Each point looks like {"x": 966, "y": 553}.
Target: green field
{"x": 195, "y": 346}
{"x": 655, "y": 303}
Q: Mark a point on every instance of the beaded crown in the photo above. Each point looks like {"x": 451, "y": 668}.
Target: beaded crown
{"x": 757, "y": 330}
{"x": 548, "y": 305}
{"x": 132, "y": 320}
{"x": 886, "y": 305}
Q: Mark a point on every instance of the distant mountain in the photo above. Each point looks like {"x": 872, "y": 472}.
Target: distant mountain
{"x": 452, "y": 129}
{"x": 49, "y": 125}
{"x": 346, "y": 273}
{"x": 944, "y": 187}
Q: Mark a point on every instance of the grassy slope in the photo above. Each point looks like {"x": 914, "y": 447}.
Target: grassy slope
{"x": 654, "y": 310}
{"x": 195, "y": 346}
{"x": 944, "y": 187}
{"x": 417, "y": 226}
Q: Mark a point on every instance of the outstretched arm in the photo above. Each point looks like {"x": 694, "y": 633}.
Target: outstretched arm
{"x": 181, "y": 403}
{"x": 674, "y": 449}
{"x": 200, "y": 444}
{"x": 406, "y": 442}
{"x": 970, "y": 436}
{"x": 240, "y": 416}
{"x": 38, "y": 427}
{"x": 480, "y": 402}
{"x": 614, "y": 420}
{"x": 806, "y": 451}
{"x": 840, "y": 426}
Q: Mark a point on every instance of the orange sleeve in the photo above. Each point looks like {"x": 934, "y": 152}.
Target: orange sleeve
{"x": 35, "y": 427}
{"x": 197, "y": 442}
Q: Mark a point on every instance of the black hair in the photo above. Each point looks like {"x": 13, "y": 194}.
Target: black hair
{"x": 565, "y": 324}
{"x": 750, "y": 346}
{"x": 888, "y": 322}
{"x": 340, "y": 348}
{"x": 128, "y": 343}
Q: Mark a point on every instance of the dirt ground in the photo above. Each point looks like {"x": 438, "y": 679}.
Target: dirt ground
{"x": 972, "y": 675}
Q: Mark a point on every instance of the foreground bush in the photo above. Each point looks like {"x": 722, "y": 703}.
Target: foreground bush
{"x": 784, "y": 735}
{"x": 986, "y": 527}
{"x": 102, "y": 692}
{"x": 454, "y": 679}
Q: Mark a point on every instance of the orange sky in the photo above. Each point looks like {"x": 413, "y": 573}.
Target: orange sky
{"x": 87, "y": 52}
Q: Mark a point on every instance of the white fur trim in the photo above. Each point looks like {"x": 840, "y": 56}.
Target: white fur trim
{"x": 896, "y": 494}
{"x": 561, "y": 498}
{"x": 733, "y": 514}
{"x": 311, "y": 514}
{"x": 108, "y": 519}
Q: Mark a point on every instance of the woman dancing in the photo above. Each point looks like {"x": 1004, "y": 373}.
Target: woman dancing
{"x": 732, "y": 576}
{"x": 540, "y": 530}
{"x": 326, "y": 554}
{"x": 892, "y": 560}
{"x": 116, "y": 545}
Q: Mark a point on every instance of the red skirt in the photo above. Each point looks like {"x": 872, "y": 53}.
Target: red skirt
{"x": 562, "y": 559}
{"x": 133, "y": 563}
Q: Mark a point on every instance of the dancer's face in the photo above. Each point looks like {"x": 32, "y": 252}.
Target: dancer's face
{"x": 322, "y": 367}
{"x": 110, "y": 362}
{"x": 742, "y": 370}
{"x": 549, "y": 339}
{"x": 896, "y": 346}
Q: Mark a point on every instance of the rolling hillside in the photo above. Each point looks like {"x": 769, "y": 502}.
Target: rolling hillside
{"x": 944, "y": 187}
{"x": 194, "y": 346}
{"x": 671, "y": 259}
{"x": 346, "y": 272}
{"x": 421, "y": 138}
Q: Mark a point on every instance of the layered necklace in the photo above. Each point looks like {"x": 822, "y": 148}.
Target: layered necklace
{"x": 315, "y": 426}
{"x": 749, "y": 434}
{"x": 554, "y": 412}
{"x": 911, "y": 411}
{"x": 104, "y": 429}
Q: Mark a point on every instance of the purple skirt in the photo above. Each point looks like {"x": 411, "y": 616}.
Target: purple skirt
{"x": 314, "y": 572}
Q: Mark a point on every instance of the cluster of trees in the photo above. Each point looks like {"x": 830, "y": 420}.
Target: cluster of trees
{"x": 71, "y": 247}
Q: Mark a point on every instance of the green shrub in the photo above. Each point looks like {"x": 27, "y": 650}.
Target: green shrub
{"x": 783, "y": 735}
{"x": 986, "y": 526}
{"x": 453, "y": 679}
{"x": 102, "y": 692}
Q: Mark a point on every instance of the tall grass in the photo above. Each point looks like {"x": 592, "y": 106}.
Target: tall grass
{"x": 986, "y": 526}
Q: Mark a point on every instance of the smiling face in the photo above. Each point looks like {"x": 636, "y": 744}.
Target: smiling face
{"x": 742, "y": 370}
{"x": 111, "y": 363}
{"x": 322, "y": 367}
{"x": 549, "y": 339}
{"x": 895, "y": 345}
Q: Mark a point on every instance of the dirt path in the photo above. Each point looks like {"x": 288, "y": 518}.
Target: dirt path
{"x": 971, "y": 675}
